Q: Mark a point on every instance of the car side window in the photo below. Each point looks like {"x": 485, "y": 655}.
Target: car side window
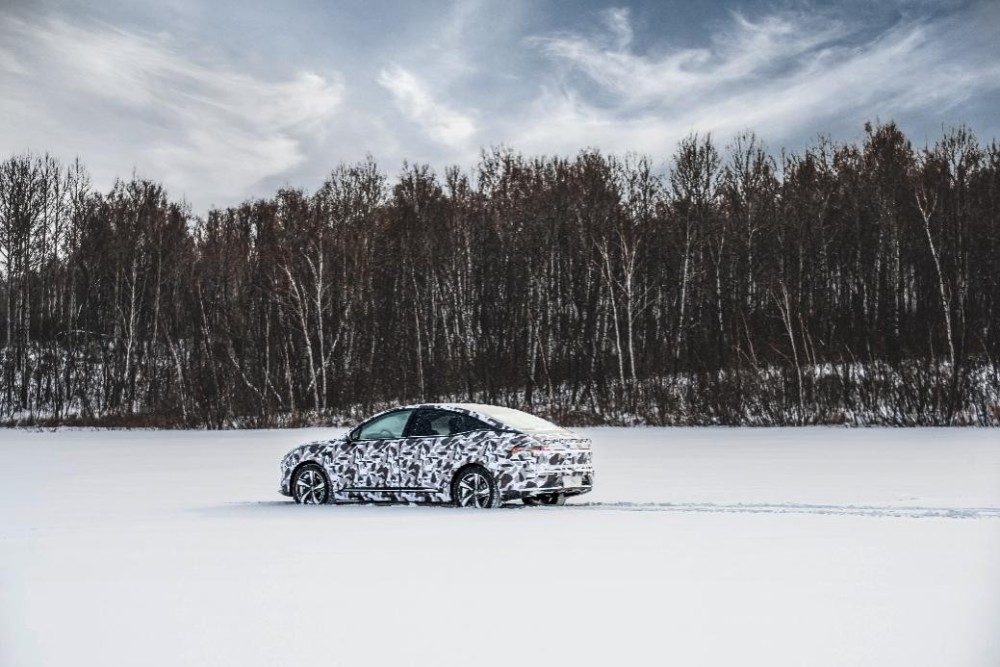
{"x": 385, "y": 427}
{"x": 464, "y": 423}
{"x": 430, "y": 423}
{"x": 427, "y": 424}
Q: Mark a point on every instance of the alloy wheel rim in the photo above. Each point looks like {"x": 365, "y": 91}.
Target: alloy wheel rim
{"x": 473, "y": 490}
{"x": 310, "y": 487}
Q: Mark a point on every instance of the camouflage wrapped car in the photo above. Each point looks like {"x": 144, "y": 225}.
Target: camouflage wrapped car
{"x": 468, "y": 454}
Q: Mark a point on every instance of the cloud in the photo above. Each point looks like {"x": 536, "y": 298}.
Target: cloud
{"x": 203, "y": 128}
{"x": 449, "y": 47}
{"x": 778, "y": 74}
{"x": 620, "y": 26}
{"x": 10, "y": 62}
{"x": 219, "y": 107}
{"x": 415, "y": 101}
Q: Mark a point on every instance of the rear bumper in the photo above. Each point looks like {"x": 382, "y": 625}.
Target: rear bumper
{"x": 528, "y": 482}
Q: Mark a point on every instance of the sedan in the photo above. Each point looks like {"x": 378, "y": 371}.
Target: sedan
{"x": 467, "y": 454}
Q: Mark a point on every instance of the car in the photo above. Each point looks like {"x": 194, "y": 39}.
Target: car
{"x": 468, "y": 454}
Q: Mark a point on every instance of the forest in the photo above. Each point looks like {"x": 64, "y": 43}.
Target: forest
{"x": 849, "y": 283}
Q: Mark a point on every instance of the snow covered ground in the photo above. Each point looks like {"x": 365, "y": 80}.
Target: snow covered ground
{"x": 818, "y": 546}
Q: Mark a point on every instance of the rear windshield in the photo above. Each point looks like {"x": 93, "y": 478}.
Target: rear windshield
{"x": 521, "y": 421}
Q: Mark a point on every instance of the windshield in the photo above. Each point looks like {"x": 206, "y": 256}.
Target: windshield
{"x": 522, "y": 421}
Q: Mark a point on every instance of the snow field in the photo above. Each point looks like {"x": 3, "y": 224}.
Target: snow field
{"x": 819, "y": 546}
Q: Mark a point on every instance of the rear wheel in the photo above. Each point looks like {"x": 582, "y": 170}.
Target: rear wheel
{"x": 547, "y": 499}
{"x": 474, "y": 487}
{"x": 309, "y": 485}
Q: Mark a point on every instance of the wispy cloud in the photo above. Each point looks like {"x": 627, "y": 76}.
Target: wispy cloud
{"x": 620, "y": 24}
{"x": 777, "y": 74}
{"x": 210, "y": 130}
{"x": 220, "y": 107}
{"x": 416, "y": 102}
{"x": 9, "y": 62}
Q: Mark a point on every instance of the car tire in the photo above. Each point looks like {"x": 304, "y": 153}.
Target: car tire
{"x": 474, "y": 486}
{"x": 547, "y": 499}
{"x": 310, "y": 485}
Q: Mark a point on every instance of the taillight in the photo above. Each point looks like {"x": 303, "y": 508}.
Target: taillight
{"x": 526, "y": 452}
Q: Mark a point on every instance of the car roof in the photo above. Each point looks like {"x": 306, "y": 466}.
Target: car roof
{"x": 481, "y": 411}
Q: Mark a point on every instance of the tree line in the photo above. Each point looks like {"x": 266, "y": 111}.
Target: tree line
{"x": 855, "y": 282}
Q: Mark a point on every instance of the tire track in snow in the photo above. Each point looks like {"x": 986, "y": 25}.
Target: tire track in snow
{"x": 799, "y": 508}
{"x": 254, "y": 507}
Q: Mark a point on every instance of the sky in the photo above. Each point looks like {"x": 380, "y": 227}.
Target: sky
{"x": 227, "y": 100}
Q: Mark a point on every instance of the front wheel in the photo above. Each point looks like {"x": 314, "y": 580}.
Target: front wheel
{"x": 309, "y": 485}
{"x": 475, "y": 487}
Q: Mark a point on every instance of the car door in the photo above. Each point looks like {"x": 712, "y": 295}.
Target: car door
{"x": 375, "y": 452}
{"x": 425, "y": 435}
{"x": 434, "y": 447}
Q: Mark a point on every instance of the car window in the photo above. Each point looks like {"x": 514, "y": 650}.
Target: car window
{"x": 428, "y": 424}
{"x": 433, "y": 423}
{"x": 386, "y": 426}
{"x": 464, "y": 423}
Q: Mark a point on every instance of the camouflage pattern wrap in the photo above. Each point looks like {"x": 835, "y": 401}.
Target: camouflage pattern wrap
{"x": 421, "y": 469}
